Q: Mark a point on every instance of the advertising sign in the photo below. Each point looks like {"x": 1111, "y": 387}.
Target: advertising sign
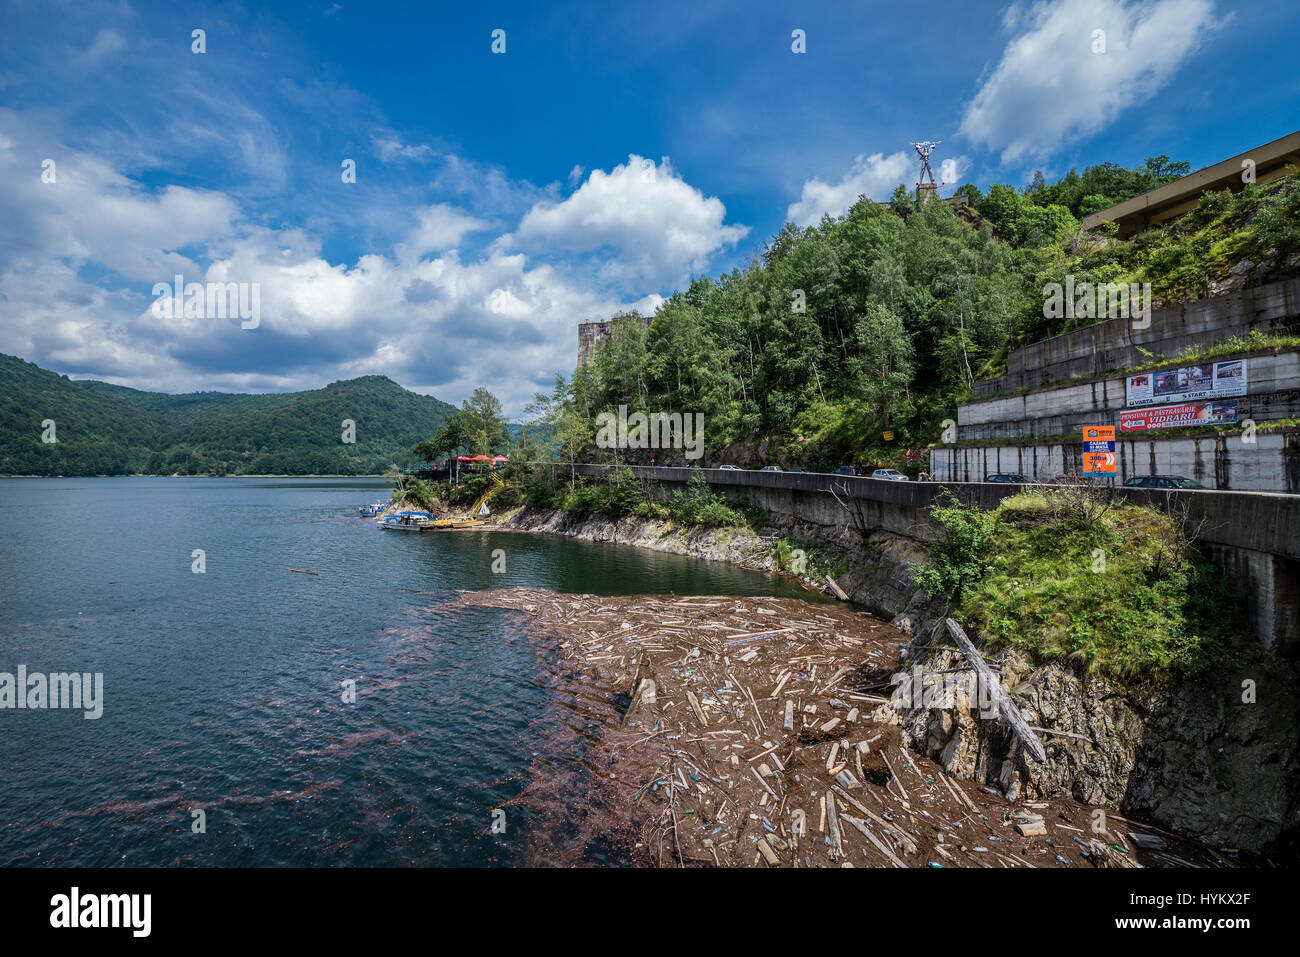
{"x": 1099, "y": 450}
{"x": 1208, "y": 380}
{"x": 1176, "y": 416}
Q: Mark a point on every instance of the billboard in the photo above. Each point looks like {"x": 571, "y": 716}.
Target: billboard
{"x": 1099, "y": 450}
{"x": 1206, "y": 380}
{"x": 1177, "y": 416}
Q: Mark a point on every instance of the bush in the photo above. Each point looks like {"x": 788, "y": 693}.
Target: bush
{"x": 468, "y": 491}
{"x": 958, "y": 559}
{"x": 1119, "y": 590}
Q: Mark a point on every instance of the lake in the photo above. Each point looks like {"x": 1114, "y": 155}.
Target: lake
{"x": 223, "y": 690}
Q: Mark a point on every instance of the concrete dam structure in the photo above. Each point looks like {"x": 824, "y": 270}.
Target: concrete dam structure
{"x": 1171, "y": 416}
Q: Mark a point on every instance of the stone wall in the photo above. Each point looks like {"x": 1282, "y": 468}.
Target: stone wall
{"x": 590, "y": 334}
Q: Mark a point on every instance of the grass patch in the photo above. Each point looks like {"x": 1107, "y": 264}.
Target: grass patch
{"x": 1115, "y": 588}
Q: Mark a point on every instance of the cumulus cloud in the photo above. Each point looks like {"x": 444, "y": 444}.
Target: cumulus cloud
{"x": 873, "y": 176}
{"x": 389, "y": 148}
{"x": 438, "y": 227}
{"x": 79, "y": 258}
{"x": 1053, "y": 83}
{"x": 655, "y": 227}
{"x": 952, "y": 170}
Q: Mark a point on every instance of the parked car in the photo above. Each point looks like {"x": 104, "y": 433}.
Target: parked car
{"x": 1016, "y": 478}
{"x": 770, "y": 468}
{"x": 729, "y": 468}
{"x": 891, "y": 475}
{"x": 797, "y": 469}
{"x": 1162, "y": 481}
{"x": 846, "y": 470}
{"x": 1069, "y": 480}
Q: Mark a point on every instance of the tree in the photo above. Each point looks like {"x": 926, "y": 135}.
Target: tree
{"x": 480, "y": 425}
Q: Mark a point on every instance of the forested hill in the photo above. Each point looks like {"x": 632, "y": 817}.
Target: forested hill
{"x": 852, "y": 340}
{"x": 104, "y": 429}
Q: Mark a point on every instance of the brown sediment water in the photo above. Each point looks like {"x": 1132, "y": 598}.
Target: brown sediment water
{"x": 752, "y": 731}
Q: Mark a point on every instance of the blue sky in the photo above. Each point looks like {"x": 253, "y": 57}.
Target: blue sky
{"x": 611, "y": 152}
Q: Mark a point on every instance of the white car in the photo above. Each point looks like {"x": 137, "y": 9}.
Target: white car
{"x": 729, "y": 468}
{"x": 892, "y": 475}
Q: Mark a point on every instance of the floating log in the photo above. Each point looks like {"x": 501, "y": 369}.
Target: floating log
{"x": 836, "y": 590}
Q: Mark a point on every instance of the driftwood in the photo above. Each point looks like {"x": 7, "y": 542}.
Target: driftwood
{"x": 832, "y": 819}
{"x": 836, "y": 590}
{"x": 1033, "y": 747}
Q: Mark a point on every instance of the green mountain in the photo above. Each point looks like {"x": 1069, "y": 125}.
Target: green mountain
{"x": 104, "y": 429}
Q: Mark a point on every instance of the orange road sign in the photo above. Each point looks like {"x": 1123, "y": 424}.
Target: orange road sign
{"x": 1099, "y": 450}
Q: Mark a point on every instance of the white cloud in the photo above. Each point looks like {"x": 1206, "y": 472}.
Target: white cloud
{"x": 390, "y": 148}
{"x": 656, "y": 227}
{"x": 952, "y": 170}
{"x": 1051, "y": 86}
{"x": 106, "y": 43}
{"x": 79, "y": 257}
{"x": 438, "y": 227}
{"x": 873, "y": 176}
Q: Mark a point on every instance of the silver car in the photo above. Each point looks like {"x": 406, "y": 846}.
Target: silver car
{"x": 892, "y": 475}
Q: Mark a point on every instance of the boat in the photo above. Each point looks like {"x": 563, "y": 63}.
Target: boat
{"x": 374, "y": 509}
{"x": 405, "y": 521}
{"x": 447, "y": 524}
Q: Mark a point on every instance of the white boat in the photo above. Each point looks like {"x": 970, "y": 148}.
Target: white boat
{"x": 405, "y": 521}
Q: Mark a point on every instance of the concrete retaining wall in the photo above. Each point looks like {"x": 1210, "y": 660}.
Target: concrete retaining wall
{"x": 1115, "y": 344}
{"x": 1254, "y": 536}
{"x": 1270, "y": 464}
{"x": 1273, "y": 392}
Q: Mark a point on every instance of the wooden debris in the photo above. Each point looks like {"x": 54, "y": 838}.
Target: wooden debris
{"x": 692, "y": 768}
{"x": 1033, "y": 747}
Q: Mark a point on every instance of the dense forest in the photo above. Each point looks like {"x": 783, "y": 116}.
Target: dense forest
{"x": 852, "y": 340}
{"x": 104, "y": 429}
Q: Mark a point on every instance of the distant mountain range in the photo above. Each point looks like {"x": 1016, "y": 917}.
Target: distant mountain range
{"x": 104, "y": 429}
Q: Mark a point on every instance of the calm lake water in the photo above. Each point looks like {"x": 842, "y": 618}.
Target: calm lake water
{"x": 222, "y": 690}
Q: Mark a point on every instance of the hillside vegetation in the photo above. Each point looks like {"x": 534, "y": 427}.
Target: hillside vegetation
{"x": 879, "y": 321}
{"x": 105, "y": 429}
{"x": 1114, "y": 588}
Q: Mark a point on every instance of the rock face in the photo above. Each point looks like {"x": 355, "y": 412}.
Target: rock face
{"x": 1189, "y": 753}
{"x": 738, "y": 546}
